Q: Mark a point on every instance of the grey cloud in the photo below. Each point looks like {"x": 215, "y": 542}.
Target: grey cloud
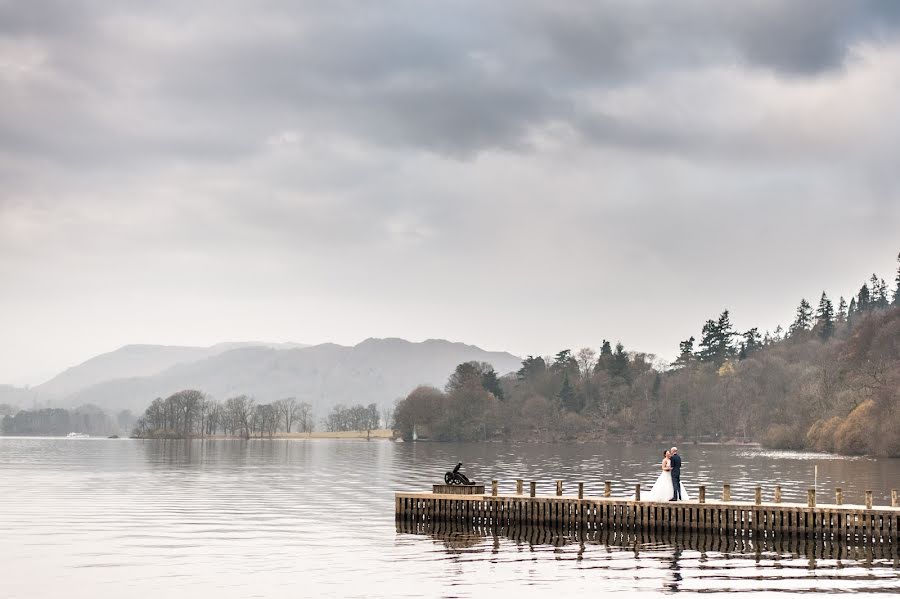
{"x": 454, "y": 79}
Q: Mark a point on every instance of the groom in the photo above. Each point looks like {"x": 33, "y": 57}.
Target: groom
{"x": 675, "y": 462}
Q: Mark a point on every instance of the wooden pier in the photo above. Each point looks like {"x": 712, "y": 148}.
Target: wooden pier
{"x": 857, "y": 523}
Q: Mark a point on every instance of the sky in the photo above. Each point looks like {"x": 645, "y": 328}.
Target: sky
{"x": 523, "y": 176}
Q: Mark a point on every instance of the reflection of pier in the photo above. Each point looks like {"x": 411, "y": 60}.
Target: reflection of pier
{"x": 579, "y": 515}
{"x": 459, "y": 535}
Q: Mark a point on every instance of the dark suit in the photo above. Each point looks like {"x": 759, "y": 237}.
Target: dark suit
{"x": 675, "y": 462}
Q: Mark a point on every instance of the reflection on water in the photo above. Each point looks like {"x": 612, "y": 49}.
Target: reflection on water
{"x": 103, "y": 518}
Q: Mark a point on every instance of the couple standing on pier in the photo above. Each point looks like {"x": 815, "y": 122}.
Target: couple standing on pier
{"x": 668, "y": 486}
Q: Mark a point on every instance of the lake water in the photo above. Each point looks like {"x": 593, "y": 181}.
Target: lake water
{"x": 113, "y": 518}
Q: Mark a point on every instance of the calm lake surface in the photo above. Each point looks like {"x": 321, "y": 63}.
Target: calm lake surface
{"x": 127, "y": 518}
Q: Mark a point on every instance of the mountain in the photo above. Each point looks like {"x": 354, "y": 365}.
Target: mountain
{"x": 135, "y": 361}
{"x": 376, "y": 370}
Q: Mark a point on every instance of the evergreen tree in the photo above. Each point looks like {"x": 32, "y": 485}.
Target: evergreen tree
{"x": 716, "y": 341}
{"x": 880, "y": 295}
{"x": 825, "y": 317}
{"x": 897, "y": 283}
{"x": 863, "y": 299}
{"x": 532, "y": 367}
{"x": 803, "y": 320}
{"x": 604, "y": 362}
{"x": 779, "y": 334}
{"x": 491, "y": 382}
{"x": 842, "y": 310}
{"x": 618, "y": 366}
{"x": 564, "y": 362}
{"x": 852, "y": 308}
{"x": 751, "y": 342}
{"x": 567, "y": 397}
{"x": 685, "y": 352}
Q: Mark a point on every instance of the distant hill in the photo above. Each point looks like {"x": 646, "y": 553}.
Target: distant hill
{"x": 376, "y": 370}
{"x": 134, "y": 361}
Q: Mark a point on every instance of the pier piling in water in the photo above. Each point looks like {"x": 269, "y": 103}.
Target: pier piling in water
{"x": 866, "y": 523}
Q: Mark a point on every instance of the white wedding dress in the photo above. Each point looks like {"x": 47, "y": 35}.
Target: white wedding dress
{"x": 662, "y": 489}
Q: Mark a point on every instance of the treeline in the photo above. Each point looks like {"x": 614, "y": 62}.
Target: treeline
{"x": 831, "y": 381}
{"x": 87, "y": 419}
{"x": 190, "y": 413}
{"x": 353, "y": 418}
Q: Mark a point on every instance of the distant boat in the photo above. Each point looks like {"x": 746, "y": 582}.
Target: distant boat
{"x": 415, "y": 436}
{"x": 78, "y": 435}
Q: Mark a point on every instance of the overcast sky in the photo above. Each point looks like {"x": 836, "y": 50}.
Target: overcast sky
{"x": 517, "y": 175}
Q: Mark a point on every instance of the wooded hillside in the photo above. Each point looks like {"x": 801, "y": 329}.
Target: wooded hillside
{"x": 830, "y": 382}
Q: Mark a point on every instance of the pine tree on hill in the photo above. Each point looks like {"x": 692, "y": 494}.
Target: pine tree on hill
{"x": 716, "y": 340}
{"x": 567, "y": 397}
{"x": 491, "y": 382}
{"x": 803, "y": 320}
{"x": 531, "y": 367}
{"x": 618, "y": 366}
{"x": 842, "y": 310}
{"x": 878, "y": 294}
{"x": 778, "y": 335}
{"x": 825, "y": 317}
{"x": 605, "y": 348}
{"x": 685, "y": 352}
{"x": 863, "y": 299}
{"x": 897, "y": 283}
{"x": 751, "y": 342}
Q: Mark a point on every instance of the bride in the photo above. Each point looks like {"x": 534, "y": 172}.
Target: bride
{"x": 662, "y": 489}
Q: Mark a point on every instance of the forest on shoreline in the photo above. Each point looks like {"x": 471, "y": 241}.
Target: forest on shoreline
{"x": 830, "y": 382}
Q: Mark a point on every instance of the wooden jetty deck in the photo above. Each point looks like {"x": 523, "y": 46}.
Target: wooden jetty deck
{"x": 859, "y": 523}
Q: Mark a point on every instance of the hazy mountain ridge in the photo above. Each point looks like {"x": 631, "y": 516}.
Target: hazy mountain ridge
{"x": 375, "y": 370}
{"x": 131, "y": 361}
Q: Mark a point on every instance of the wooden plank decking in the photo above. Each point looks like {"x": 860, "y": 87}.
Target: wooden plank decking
{"x": 852, "y": 522}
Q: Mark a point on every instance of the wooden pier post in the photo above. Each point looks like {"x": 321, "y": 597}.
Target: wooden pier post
{"x": 757, "y": 498}
{"x": 726, "y": 492}
{"x": 811, "y": 498}
{"x": 558, "y": 488}
{"x": 868, "y": 500}
{"x": 702, "y": 496}
{"x": 839, "y": 496}
{"x": 580, "y": 490}
{"x": 777, "y": 493}
{"x": 607, "y": 489}
{"x": 895, "y": 499}
{"x": 493, "y": 488}
{"x": 532, "y": 489}
{"x": 637, "y": 492}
